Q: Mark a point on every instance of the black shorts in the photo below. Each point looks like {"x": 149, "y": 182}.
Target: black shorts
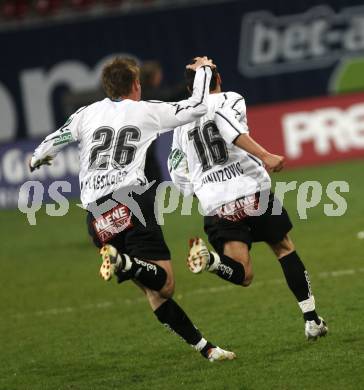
{"x": 266, "y": 227}
{"x": 145, "y": 242}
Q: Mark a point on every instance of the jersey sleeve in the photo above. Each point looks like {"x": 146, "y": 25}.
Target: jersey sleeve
{"x": 237, "y": 103}
{"x": 54, "y": 142}
{"x": 230, "y": 122}
{"x": 178, "y": 167}
{"x": 229, "y": 126}
{"x": 171, "y": 115}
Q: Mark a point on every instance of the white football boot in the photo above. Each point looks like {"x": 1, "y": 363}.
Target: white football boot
{"x": 111, "y": 261}
{"x": 198, "y": 259}
{"x": 217, "y": 353}
{"x": 314, "y": 331}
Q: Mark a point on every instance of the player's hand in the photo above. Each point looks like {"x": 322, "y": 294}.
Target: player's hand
{"x": 36, "y": 164}
{"x": 274, "y": 162}
{"x": 201, "y": 61}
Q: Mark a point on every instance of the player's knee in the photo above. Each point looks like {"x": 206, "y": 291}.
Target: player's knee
{"x": 248, "y": 269}
{"x": 167, "y": 290}
{"x": 283, "y": 247}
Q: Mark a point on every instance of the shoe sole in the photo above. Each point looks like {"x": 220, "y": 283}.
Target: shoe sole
{"x": 193, "y": 267}
{"x": 106, "y": 269}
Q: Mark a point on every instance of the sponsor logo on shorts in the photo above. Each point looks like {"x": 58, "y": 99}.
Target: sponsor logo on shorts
{"x": 112, "y": 222}
{"x": 239, "y": 209}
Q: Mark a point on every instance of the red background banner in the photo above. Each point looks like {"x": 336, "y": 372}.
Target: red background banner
{"x": 311, "y": 131}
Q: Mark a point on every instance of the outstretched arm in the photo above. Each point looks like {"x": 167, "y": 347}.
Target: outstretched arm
{"x": 271, "y": 161}
{"x": 232, "y": 123}
{"x": 53, "y": 143}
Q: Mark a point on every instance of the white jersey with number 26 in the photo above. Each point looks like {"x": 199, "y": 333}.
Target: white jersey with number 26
{"x": 114, "y": 137}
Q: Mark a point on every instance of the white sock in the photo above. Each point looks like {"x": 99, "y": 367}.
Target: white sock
{"x": 127, "y": 262}
{"x": 307, "y": 304}
{"x": 214, "y": 261}
{"x": 201, "y": 344}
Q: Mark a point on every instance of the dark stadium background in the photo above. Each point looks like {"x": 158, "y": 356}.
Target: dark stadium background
{"x": 51, "y": 55}
{"x": 50, "y": 60}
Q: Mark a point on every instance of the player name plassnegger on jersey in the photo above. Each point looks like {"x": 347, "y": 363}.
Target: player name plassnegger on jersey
{"x": 205, "y": 161}
{"x": 114, "y": 136}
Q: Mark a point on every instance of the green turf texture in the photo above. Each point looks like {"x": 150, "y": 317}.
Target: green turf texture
{"x": 62, "y": 327}
{"x": 349, "y": 76}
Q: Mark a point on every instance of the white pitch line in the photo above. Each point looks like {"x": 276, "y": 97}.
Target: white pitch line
{"x": 200, "y": 291}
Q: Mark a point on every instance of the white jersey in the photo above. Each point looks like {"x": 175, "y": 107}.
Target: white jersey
{"x": 114, "y": 137}
{"x": 205, "y": 161}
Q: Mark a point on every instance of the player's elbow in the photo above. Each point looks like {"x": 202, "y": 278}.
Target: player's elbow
{"x": 204, "y": 108}
{"x": 201, "y": 109}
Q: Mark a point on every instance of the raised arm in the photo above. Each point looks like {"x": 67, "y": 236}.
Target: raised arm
{"x": 172, "y": 115}
{"x": 53, "y": 143}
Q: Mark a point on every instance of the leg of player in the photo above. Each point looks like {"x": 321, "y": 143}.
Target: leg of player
{"x": 125, "y": 267}
{"x": 238, "y": 252}
{"x": 299, "y": 282}
{"x": 172, "y": 316}
{"x": 233, "y": 265}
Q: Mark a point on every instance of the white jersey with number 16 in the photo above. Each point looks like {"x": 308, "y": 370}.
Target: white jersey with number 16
{"x": 205, "y": 161}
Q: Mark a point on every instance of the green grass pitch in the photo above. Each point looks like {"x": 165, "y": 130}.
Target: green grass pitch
{"x": 62, "y": 327}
